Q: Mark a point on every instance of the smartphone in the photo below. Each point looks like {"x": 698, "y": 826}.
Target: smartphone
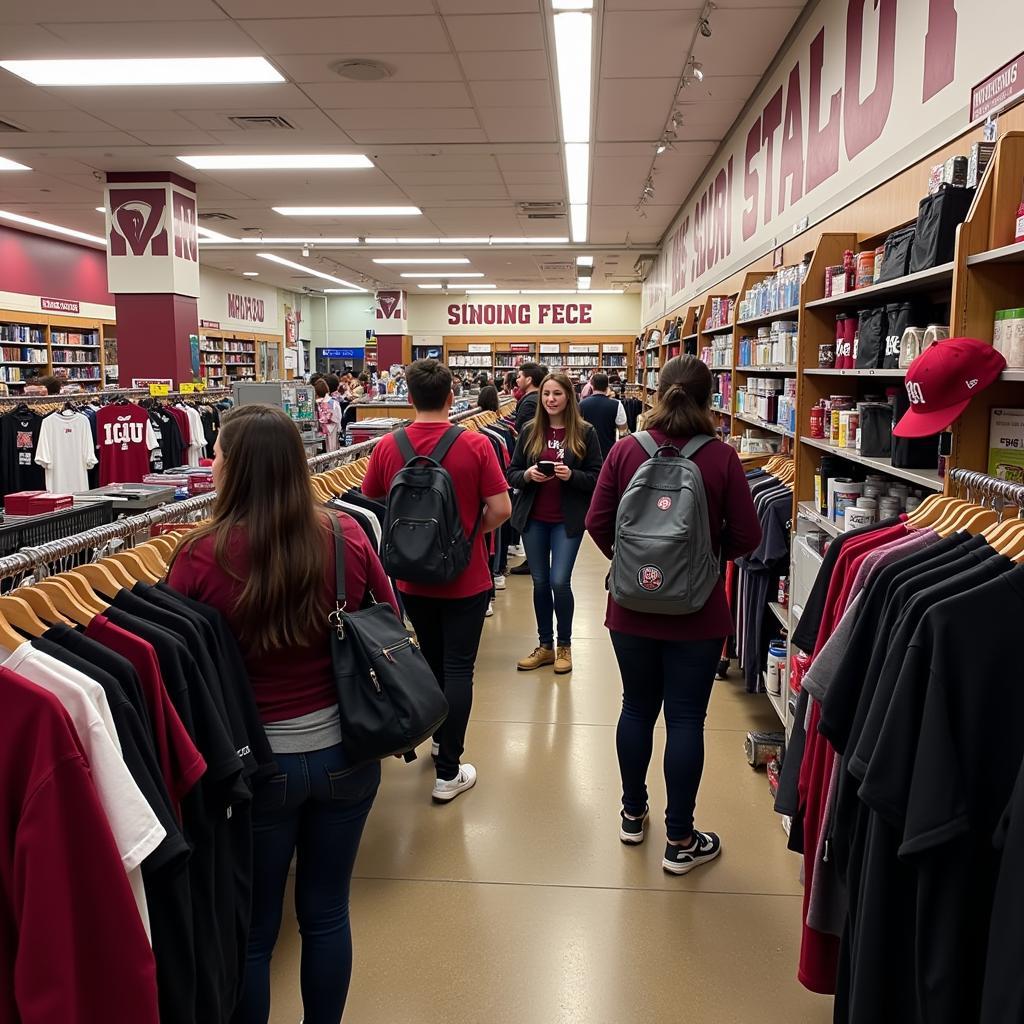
{"x": 546, "y": 467}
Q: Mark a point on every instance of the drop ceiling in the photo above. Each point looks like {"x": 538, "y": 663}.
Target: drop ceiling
{"x": 466, "y": 127}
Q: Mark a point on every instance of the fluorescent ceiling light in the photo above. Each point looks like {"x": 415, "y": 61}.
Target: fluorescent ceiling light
{"x": 464, "y": 241}
{"x": 212, "y": 236}
{"x": 343, "y": 291}
{"x": 428, "y": 286}
{"x": 278, "y": 162}
{"x": 250, "y": 273}
{"x": 577, "y": 171}
{"x": 348, "y": 211}
{"x": 402, "y": 241}
{"x": 308, "y": 270}
{"x": 572, "y": 5}
{"x": 584, "y": 261}
{"x": 12, "y": 165}
{"x": 529, "y": 241}
{"x": 146, "y": 71}
{"x": 578, "y": 220}
{"x": 306, "y": 240}
{"x": 469, "y": 289}
{"x": 101, "y": 209}
{"x": 583, "y": 284}
{"x": 445, "y": 274}
{"x": 573, "y": 42}
{"x": 17, "y": 218}
{"x": 422, "y": 262}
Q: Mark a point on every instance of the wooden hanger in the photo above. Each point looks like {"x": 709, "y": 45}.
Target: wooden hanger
{"x": 8, "y": 638}
{"x": 100, "y": 578}
{"x": 78, "y": 587}
{"x": 133, "y": 564}
{"x": 40, "y": 603}
{"x": 20, "y": 615}
{"x": 119, "y": 572}
{"x": 931, "y": 511}
{"x": 152, "y": 559}
{"x": 952, "y": 515}
{"x": 962, "y": 518}
{"x": 65, "y": 601}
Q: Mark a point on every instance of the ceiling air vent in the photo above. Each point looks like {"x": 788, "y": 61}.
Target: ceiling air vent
{"x": 558, "y": 267}
{"x": 542, "y": 211}
{"x": 261, "y": 122}
{"x": 6, "y": 126}
{"x": 216, "y": 215}
{"x": 362, "y": 70}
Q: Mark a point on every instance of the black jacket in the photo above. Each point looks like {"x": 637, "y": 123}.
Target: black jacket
{"x": 576, "y": 491}
{"x": 526, "y": 410}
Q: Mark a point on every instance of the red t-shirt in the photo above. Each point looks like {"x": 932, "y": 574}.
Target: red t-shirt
{"x": 181, "y": 764}
{"x": 125, "y": 438}
{"x": 290, "y": 681}
{"x": 72, "y": 945}
{"x": 475, "y": 472}
{"x": 547, "y": 503}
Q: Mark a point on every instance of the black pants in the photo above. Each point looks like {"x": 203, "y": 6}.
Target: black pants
{"x": 448, "y": 631}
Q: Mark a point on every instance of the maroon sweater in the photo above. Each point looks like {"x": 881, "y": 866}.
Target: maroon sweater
{"x": 735, "y": 531}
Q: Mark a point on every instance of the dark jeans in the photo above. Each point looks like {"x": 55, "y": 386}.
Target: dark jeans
{"x": 680, "y": 675}
{"x": 448, "y": 632}
{"x": 552, "y": 555}
{"x": 317, "y": 808}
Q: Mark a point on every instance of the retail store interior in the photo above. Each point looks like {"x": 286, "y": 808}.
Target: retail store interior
{"x": 226, "y": 203}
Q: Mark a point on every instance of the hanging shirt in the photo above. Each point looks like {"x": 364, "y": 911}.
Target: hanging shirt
{"x": 19, "y": 435}
{"x": 126, "y": 439}
{"x": 168, "y": 434}
{"x": 72, "y": 945}
{"x": 66, "y": 452}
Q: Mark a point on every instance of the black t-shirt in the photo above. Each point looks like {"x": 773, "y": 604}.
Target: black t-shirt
{"x": 168, "y": 433}
{"x": 601, "y": 412}
{"x": 19, "y": 438}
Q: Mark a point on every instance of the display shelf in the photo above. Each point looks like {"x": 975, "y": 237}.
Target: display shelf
{"x": 713, "y": 331}
{"x": 75, "y": 362}
{"x": 813, "y": 372}
{"x": 773, "y": 428}
{"x": 722, "y": 368}
{"x": 779, "y": 703}
{"x": 923, "y": 281}
{"x": 721, "y": 412}
{"x": 810, "y": 513}
{"x": 774, "y": 368}
{"x": 767, "y": 318}
{"x": 688, "y": 338}
{"x": 1005, "y": 254}
{"x": 929, "y": 479}
{"x": 782, "y": 614}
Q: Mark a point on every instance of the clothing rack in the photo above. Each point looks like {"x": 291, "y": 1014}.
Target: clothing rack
{"x": 981, "y": 485}
{"x": 8, "y": 402}
{"x": 36, "y": 560}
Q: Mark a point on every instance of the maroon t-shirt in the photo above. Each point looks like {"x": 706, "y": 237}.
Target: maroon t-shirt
{"x": 735, "y": 531}
{"x": 290, "y": 681}
{"x": 125, "y": 438}
{"x": 547, "y": 502}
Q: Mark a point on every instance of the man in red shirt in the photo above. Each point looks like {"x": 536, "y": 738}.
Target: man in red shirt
{"x": 448, "y": 618}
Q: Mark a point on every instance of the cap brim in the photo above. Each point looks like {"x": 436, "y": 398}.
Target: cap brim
{"x": 926, "y": 423}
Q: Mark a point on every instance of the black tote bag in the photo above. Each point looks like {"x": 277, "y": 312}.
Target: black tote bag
{"x": 912, "y": 452}
{"x": 876, "y": 430}
{"x": 898, "y": 317}
{"x": 896, "y": 261}
{"x": 870, "y": 338}
{"x": 388, "y": 698}
{"x": 938, "y": 217}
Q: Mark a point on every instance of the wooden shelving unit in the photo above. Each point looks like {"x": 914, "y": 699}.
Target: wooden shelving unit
{"x": 229, "y": 356}
{"x": 40, "y": 343}
{"x": 587, "y": 354}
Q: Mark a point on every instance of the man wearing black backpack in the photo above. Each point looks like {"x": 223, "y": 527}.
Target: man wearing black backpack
{"x": 439, "y": 558}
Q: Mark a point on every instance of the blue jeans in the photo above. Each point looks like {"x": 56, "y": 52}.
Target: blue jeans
{"x": 317, "y": 807}
{"x": 678, "y": 674}
{"x": 551, "y": 555}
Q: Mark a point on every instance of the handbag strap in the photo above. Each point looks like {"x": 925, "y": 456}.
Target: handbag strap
{"x": 339, "y": 560}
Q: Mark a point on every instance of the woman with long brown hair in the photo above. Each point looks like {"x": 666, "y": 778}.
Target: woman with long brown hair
{"x": 670, "y": 660}
{"x": 554, "y": 469}
{"x": 266, "y": 561}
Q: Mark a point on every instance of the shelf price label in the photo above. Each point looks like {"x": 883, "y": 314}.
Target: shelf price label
{"x": 160, "y": 390}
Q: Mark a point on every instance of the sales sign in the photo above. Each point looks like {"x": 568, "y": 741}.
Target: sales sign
{"x": 59, "y": 306}
{"x": 519, "y": 313}
{"x": 998, "y": 90}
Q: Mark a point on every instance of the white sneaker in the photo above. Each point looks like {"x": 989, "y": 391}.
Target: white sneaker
{"x": 499, "y": 582}
{"x": 490, "y": 609}
{"x": 445, "y": 790}
{"x": 518, "y": 550}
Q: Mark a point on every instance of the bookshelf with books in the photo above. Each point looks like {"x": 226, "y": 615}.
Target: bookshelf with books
{"x": 37, "y": 344}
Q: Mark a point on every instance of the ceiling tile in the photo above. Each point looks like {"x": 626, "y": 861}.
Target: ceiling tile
{"x": 406, "y": 67}
{"x": 15, "y": 95}
{"x": 431, "y": 195}
{"x": 652, "y": 5}
{"x": 412, "y": 179}
{"x": 26, "y": 42}
{"x": 32, "y": 140}
{"x": 633, "y": 109}
{"x": 497, "y": 32}
{"x": 523, "y": 193}
{"x": 177, "y": 139}
{"x": 392, "y": 120}
{"x": 400, "y": 164}
{"x": 323, "y": 8}
{"x": 347, "y": 35}
{"x": 610, "y": 224}
{"x": 721, "y": 87}
{"x": 647, "y": 40}
{"x": 50, "y": 12}
{"x": 551, "y": 161}
{"x": 525, "y": 94}
{"x": 519, "y": 124}
{"x": 156, "y": 120}
{"x": 408, "y": 136}
{"x": 519, "y": 65}
{"x": 389, "y": 95}
{"x": 306, "y": 119}
{"x": 53, "y": 121}
{"x": 533, "y": 177}
{"x": 156, "y": 38}
{"x": 710, "y": 114}
{"x": 488, "y": 6}
{"x": 236, "y": 99}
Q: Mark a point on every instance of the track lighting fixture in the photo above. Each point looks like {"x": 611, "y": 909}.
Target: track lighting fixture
{"x": 696, "y": 70}
{"x": 705, "y": 28}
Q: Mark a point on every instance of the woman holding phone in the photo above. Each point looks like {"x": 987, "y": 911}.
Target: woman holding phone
{"x": 554, "y": 471}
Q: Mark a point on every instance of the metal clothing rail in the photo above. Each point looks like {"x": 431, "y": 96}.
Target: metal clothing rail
{"x": 12, "y": 401}
{"x": 32, "y": 560}
{"x": 981, "y": 485}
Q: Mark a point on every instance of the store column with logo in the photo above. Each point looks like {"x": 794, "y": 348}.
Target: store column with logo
{"x": 153, "y": 273}
{"x": 392, "y": 327}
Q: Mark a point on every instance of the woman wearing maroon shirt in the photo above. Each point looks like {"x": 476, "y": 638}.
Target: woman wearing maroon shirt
{"x": 671, "y": 660}
{"x": 266, "y": 562}
{"x": 554, "y": 469}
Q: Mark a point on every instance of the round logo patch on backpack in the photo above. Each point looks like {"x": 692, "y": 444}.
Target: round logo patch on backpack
{"x": 665, "y": 503}
{"x": 650, "y": 577}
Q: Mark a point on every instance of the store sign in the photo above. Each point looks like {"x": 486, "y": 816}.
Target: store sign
{"x": 60, "y": 306}
{"x": 145, "y": 383}
{"x": 997, "y": 91}
{"x": 519, "y": 313}
{"x": 392, "y": 312}
{"x": 210, "y": 324}
{"x": 852, "y": 102}
{"x": 341, "y": 353}
{"x": 246, "y": 307}
{"x": 520, "y": 347}
{"x": 152, "y": 243}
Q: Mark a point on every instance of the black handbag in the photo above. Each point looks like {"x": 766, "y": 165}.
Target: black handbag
{"x": 896, "y": 261}
{"x": 870, "y": 338}
{"x": 938, "y": 217}
{"x": 876, "y": 430}
{"x": 388, "y": 698}
{"x": 898, "y": 317}
{"x": 912, "y": 452}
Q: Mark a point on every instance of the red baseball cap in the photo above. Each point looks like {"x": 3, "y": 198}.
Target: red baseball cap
{"x": 943, "y": 379}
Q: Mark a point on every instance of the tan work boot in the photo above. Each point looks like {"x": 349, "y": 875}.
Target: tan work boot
{"x": 541, "y": 656}
{"x": 563, "y": 660}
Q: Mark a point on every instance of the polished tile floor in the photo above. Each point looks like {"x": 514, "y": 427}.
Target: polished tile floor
{"x": 517, "y": 904}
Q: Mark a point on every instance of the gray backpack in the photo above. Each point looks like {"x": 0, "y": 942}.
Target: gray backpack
{"x": 663, "y": 562}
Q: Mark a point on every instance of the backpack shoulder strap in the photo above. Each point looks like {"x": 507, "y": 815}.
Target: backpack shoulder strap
{"x": 647, "y": 442}
{"x": 448, "y": 438}
{"x": 694, "y": 445}
{"x": 405, "y": 447}
{"x": 339, "y": 558}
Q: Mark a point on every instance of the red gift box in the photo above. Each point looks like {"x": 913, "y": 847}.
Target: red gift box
{"x": 45, "y": 502}
{"x": 16, "y": 504}
{"x": 200, "y": 483}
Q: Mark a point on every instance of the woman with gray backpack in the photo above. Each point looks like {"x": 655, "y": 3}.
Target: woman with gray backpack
{"x": 671, "y": 502}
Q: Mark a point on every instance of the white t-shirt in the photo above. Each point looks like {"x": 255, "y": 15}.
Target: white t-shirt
{"x": 66, "y": 451}
{"x": 620, "y": 416}
{"x": 132, "y": 821}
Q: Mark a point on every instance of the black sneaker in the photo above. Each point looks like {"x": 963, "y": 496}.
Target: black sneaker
{"x": 633, "y": 831}
{"x": 681, "y": 859}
